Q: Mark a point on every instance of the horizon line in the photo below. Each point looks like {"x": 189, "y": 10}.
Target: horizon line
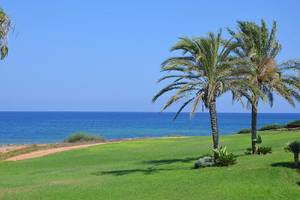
{"x": 70, "y": 111}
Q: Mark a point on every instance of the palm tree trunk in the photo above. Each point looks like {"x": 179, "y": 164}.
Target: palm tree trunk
{"x": 214, "y": 124}
{"x": 296, "y": 159}
{"x": 254, "y": 127}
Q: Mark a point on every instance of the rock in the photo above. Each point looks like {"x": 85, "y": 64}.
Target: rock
{"x": 206, "y": 161}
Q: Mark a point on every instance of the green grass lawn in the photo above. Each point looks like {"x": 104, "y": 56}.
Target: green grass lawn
{"x": 155, "y": 169}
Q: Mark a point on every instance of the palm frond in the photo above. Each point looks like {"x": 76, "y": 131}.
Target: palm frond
{"x": 206, "y": 70}
{"x": 182, "y": 107}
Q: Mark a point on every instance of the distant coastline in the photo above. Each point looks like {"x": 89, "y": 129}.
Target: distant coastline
{"x": 52, "y": 127}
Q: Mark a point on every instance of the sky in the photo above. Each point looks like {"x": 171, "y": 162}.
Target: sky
{"x": 71, "y": 55}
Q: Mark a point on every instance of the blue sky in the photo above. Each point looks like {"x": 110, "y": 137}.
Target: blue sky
{"x": 105, "y": 55}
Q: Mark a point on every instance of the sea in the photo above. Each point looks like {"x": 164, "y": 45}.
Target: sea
{"x": 53, "y": 127}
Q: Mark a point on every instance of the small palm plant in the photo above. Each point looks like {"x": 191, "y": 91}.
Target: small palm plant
{"x": 223, "y": 157}
{"x": 259, "y": 47}
{"x": 204, "y": 72}
{"x": 294, "y": 147}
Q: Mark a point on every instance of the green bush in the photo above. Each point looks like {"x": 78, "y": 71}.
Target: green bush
{"x": 244, "y": 131}
{"x": 264, "y": 150}
{"x": 83, "y": 137}
{"x": 258, "y": 139}
{"x": 271, "y": 127}
{"x": 293, "y": 124}
{"x": 260, "y": 150}
{"x": 226, "y": 160}
{"x": 248, "y": 151}
{"x": 223, "y": 158}
{"x": 294, "y": 147}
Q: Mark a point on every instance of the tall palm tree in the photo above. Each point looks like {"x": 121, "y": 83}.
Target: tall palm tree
{"x": 5, "y": 26}
{"x": 259, "y": 48}
{"x": 204, "y": 72}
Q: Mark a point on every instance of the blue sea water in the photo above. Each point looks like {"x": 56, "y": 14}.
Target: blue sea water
{"x": 46, "y": 127}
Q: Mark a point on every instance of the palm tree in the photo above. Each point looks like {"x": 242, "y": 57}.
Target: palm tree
{"x": 5, "y": 26}
{"x": 204, "y": 72}
{"x": 259, "y": 47}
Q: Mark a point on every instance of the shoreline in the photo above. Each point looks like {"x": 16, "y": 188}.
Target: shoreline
{"x": 15, "y": 152}
{"x": 11, "y": 147}
{"x": 52, "y": 127}
{"x": 16, "y": 145}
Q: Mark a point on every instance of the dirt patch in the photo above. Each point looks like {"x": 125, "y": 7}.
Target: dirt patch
{"x": 41, "y": 153}
{"x": 23, "y": 152}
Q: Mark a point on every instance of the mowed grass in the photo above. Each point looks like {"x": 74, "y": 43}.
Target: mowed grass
{"x": 155, "y": 169}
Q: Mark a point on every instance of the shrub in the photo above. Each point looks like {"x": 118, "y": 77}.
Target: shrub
{"x": 223, "y": 158}
{"x": 248, "y": 151}
{"x": 264, "y": 150}
{"x": 294, "y": 147}
{"x": 226, "y": 160}
{"x": 260, "y": 149}
{"x": 271, "y": 127}
{"x": 244, "y": 131}
{"x": 293, "y": 124}
{"x": 258, "y": 139}
{"x": 83, "y": 137}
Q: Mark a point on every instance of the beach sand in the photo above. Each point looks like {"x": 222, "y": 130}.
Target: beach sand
{"x": 48, "y": 149}
{"x": 7, "y": 148}
{"x": 44, "y": 152}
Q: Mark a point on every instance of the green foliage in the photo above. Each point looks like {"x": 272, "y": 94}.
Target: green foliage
{"x": 258, "y": 139}
{"x": 260, "y": 149}
{"x": 5, "y": 26}
{"x": 83, "y": 137}
{"x": 264, "y": 150}
{"x": 271, "y": 127}
{"x": 4, "y": 51}
{"x": 226, "y": 160}
{"x": 204, "y": 72}
{"x": 223, "y": 158}
{"x": 259, "y": 45}
{"x": 293, "y": 124}
{"x": 293, "y": 147}
{"x": 244, "y": 131}
{"x": 248, "y": 151}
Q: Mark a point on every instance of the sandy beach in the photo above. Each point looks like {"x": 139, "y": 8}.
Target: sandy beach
{"x": 41, "y": 153}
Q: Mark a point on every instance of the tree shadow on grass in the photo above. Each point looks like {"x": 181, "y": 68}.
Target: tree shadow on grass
{"x": 147, "y": 171}
{"x": 170, "y": 161}
{"x": 290, "y": 165}
{"x": 283, "y": 164}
